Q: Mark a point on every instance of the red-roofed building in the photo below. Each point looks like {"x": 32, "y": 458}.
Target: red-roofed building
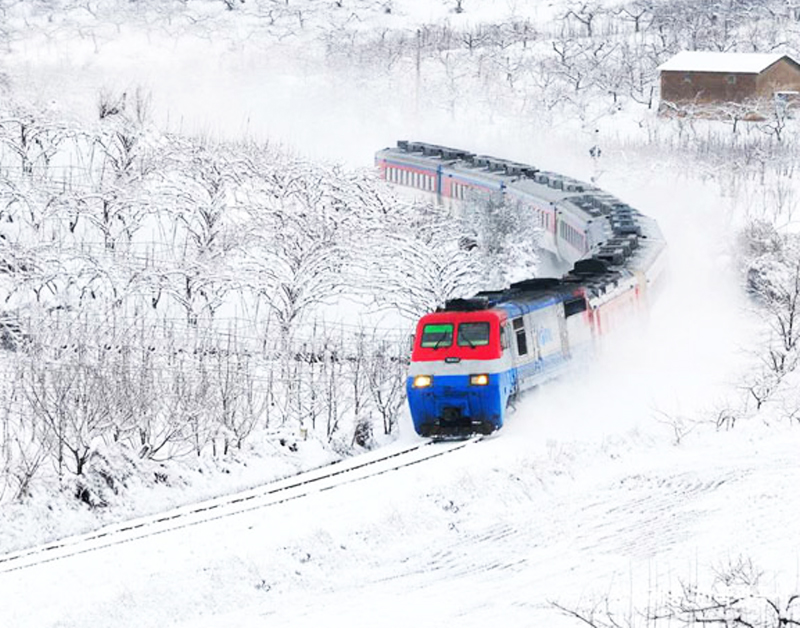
{"x": 694, "y": 81}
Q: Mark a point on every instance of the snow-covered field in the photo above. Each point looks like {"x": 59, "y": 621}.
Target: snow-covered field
{"x": 607, "y": 492}
{"x": 494, "y": 533}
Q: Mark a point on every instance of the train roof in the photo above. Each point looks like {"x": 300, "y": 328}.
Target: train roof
{"x": 504, "y": 170}
{"x": 518, "y": 298}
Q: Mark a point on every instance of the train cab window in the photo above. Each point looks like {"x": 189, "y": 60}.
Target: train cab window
{"x": 437, "y": 335}
{"x": 519, "y": 332}
{"x": 473, "y": 334}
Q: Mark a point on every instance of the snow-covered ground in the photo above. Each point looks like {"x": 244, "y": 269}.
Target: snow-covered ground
{"x": 494, "y": 533}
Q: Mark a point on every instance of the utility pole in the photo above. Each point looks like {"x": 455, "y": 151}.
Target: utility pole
{"x": 418, "y": 66}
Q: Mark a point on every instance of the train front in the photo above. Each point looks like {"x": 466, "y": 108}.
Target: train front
{"x": 460, "y": 378}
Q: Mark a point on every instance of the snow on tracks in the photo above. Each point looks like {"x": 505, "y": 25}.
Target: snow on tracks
{"x": 322, "y": 479}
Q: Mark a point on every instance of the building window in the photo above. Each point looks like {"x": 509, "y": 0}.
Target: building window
{"x": 687, "y": 78}
{"x": 731, "y": 78}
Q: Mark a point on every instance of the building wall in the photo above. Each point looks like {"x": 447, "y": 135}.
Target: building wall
{"x": 710, "y": 91}
{"x": 783, "y": 76}
{"x": 706, "y": 87}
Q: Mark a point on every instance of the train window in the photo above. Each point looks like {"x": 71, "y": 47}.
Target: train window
{"x": 437, "y": 335}
{"x": 574, "y": 306}
{"x": 473, "y": 334}
{"x": 504, "y": 337}
{"x": 519, "y": 331}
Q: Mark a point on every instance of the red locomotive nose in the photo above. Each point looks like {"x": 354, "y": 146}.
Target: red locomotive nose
{"x": 455, "y": 336}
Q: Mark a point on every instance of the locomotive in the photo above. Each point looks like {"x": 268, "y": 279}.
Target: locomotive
{"x": 473, "y": 356}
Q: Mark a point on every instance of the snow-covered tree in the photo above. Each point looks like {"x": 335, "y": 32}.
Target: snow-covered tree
{"x": 506, "y": 237}
{"x": 420, "y": 267}
{"x": 773, "y": 277}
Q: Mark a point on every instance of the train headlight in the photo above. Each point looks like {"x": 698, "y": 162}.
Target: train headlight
{"x": 479, "y": 380}
{"x": 422, "y": 381}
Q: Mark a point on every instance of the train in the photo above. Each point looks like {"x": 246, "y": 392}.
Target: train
{"x": 473, "y": 356}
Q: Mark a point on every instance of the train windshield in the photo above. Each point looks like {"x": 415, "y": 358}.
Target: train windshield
{"x": 437, "y": 335}
{"x": 473, "y": 334}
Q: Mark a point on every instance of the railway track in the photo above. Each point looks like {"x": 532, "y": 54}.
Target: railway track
{"x": 315, "y": 481}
